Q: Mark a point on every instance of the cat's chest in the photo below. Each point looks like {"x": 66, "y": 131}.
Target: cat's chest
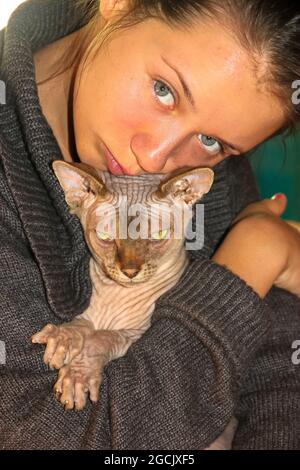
{"x": 113, "y": 306}
{"x": 114, "y": 297}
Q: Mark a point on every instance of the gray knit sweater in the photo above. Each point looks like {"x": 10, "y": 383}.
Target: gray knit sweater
{"x": 214, "y": 348}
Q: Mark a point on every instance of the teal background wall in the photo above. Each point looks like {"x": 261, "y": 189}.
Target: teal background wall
{"x": 276, "y": 165}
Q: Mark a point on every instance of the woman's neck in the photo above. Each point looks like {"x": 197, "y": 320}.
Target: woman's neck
{"x": 56, "y": 94}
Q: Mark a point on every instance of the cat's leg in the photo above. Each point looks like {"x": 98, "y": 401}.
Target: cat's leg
{"x": 224, "y": 441}
{"x": 83, "y": 375}
{"x": 63, "y": 342}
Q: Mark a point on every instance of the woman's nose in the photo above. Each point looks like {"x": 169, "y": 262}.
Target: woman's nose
{"x": 152, "y": 153}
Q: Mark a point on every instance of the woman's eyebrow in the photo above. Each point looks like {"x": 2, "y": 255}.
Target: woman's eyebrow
{"x": 234, "y": 147}
{"x": 185, "y": 87}
{"x": 190, "y": 98}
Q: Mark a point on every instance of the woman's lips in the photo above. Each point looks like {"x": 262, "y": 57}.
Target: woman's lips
{"x": 113, "y": 166}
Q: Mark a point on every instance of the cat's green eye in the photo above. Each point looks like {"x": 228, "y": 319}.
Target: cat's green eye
{"x": 161, "y": 235}
{"x": 105, "y": 236}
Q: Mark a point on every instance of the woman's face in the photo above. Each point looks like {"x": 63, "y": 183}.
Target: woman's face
{"x": 157, "y": 99}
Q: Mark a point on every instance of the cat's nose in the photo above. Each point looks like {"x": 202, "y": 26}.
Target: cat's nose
{"x": 130, "y": 272}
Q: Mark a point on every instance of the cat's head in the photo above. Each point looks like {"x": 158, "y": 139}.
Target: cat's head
{"x": 134, "y": 226}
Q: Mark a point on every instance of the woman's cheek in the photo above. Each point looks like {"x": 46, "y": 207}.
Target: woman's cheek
{"x": 135, "y": 113}
{"x": 136, "y": 105}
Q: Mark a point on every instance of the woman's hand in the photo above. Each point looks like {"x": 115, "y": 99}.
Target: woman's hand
{"x": 262, "y": 249}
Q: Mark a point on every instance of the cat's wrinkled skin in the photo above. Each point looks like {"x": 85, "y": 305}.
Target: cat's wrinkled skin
{"x": 82, "y": 376}
{"x": 128, "y": 275}
{"x": 64, "y": 342}
{"x": 80, "y": 353}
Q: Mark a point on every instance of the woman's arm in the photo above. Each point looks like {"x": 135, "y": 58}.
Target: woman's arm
{"x": 263, "y": 249}
{"x": 269, "y": 407}
{"x": 226, "y": 319}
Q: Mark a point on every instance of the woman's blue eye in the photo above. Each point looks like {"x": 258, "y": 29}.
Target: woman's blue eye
{"x": 210, "y": 144}
{"x": 163, "y": 93}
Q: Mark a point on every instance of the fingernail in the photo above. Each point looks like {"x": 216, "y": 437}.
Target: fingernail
{"x": 278, "y": 196}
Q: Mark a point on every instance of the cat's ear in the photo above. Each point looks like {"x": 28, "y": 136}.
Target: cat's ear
{"x": 78, "y": 181}
{"x": 187, "y": 187}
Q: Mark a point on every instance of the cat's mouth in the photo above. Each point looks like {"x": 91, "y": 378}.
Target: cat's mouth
{"x": 130, "y": 282}
{"x": 126, "y": 281}
{"x": 127, "y": 277}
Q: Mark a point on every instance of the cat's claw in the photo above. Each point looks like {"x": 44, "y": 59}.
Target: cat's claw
{"x": 76, "y": 382}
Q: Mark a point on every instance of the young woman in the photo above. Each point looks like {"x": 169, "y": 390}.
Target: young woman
{"x": 133, "y": 86}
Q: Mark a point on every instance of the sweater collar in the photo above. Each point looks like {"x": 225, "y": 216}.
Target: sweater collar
{"x": 28, "y": 147}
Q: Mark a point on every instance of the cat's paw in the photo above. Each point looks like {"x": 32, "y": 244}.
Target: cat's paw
{"x": 63, "y": 343}
{"x": 79, "y": 379}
